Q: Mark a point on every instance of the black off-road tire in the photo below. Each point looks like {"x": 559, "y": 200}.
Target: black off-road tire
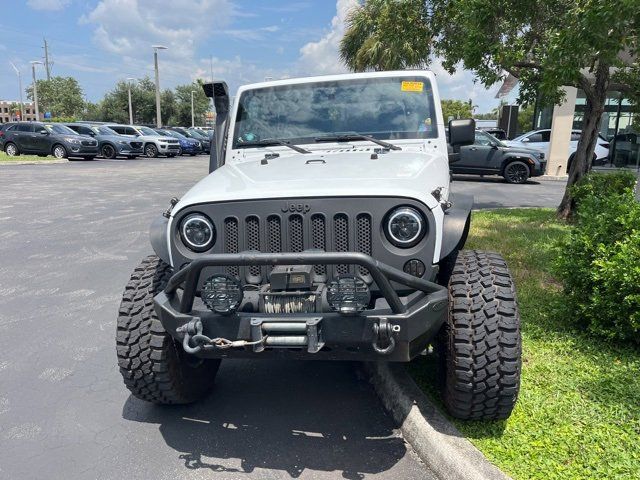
{"x": 480, "y": 345}
{"x": 154, "y": 367}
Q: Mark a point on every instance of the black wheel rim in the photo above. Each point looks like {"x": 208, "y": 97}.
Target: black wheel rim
{"x": 151, "y": 151}
{"x": 107, "y": 151}
{"x": 517, "y": 173}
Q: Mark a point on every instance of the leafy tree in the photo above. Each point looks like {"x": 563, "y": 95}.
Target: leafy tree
{"x": 62, "y": 96}
{"x": 183, "y": 103}
{"x": 546, "y": 44}
{"x": 455, "y": 109}
{"x": 493, "y": 115}
{"x": 525, "y": 117}
{"x": 386, "y": 35}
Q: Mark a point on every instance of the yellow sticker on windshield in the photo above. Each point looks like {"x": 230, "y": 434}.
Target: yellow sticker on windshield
{"x": 412, "y": 86}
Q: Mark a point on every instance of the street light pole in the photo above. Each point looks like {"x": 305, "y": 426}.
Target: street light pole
{"x": 35, "y": 87}
{"x": 155, "y": 62}
{"x": 193, "y": 123}
{"x": 130, "y": 105}
{"x": 20, "y": 87}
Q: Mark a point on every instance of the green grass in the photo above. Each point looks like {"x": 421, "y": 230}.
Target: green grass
{"x": 578, "y": 413}
{"x": 4, "y": 158}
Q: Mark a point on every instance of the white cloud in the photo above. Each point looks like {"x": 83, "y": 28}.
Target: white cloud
{"x": 48, "y": 4}
{"x": 129, "y": 27}
{"x": 322, "y": 57}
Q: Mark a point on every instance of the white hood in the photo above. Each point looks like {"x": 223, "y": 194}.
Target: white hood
{"x": 411, "y": 174}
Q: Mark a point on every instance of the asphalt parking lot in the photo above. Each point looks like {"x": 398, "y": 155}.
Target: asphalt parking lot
{"x": 70, "y": 234}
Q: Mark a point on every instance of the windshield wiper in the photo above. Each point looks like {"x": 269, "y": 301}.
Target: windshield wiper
{"x": 274, "y": 141}
{"x": 348, "y": 136}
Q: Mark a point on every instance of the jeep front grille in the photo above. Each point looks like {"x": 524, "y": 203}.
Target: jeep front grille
{"x": 296, "y": 233}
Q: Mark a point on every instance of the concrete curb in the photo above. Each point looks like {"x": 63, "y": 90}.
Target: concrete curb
{"x": 552, "y": 178}
{"x": 437, "y": 442}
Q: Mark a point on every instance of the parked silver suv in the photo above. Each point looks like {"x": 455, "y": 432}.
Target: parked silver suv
{"x": 154, "y": 144}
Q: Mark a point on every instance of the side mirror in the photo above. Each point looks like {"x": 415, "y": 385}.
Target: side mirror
{"x": 462, "y": 132}
{"x": 525, "y": 140}
{"x": 43, "y": 132}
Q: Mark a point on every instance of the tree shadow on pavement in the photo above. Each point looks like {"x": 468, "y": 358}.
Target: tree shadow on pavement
{"x": 276, "y": 415}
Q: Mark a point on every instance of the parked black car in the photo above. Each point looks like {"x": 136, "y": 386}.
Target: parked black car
{"x": 191, "y": 133}
{"x": 490, "y": 156}
{"x": 110, "y": 143}
{"x": 47, "y": 139}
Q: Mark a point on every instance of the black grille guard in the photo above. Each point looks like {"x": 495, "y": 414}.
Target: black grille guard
{"x": 381, "y": 273}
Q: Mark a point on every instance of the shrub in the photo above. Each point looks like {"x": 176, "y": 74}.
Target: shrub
{"x": 599, "y": 262}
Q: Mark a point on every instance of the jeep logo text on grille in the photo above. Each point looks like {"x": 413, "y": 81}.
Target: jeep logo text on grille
{"x": 296, "y": 207}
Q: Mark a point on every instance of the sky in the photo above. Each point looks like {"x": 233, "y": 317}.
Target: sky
{"x": 241, "y": 41}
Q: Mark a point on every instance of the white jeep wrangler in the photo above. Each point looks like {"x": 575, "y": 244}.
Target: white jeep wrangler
{"x": 325, "y": 230}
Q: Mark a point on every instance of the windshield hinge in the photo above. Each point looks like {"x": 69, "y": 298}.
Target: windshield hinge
{"x": 172, "y": 202}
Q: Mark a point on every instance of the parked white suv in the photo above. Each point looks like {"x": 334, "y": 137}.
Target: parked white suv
{"x": 154, "y": 143}
{"x": 540, "y": 139}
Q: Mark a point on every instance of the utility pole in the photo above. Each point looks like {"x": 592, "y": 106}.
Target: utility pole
{"x": 46, "y": 60}
{"x": 20, "y": 87}
{"x": 35, "y": 87}
{"x": 193, "y": 124}
{"x": 155, "y": 63}
{"x": 130, "y": 105}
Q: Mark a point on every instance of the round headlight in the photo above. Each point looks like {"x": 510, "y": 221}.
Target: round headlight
{"x": 197, "y": 232}
{"x": 405, "y": 227}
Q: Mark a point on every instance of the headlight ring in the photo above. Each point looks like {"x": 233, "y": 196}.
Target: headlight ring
{"x": 197, "y": 232}
{"x": 405, "y": 227}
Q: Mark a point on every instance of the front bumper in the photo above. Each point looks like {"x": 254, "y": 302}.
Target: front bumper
{"x": 74, "y": 149}
{"x": 168, "y": 148}
{"x": 409, "y": 323}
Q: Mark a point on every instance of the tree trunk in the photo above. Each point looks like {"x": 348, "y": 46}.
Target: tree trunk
{"x": 581, "y": 164}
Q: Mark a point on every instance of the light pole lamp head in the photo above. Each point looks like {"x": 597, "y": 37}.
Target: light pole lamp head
{"x": 159, "y": 47}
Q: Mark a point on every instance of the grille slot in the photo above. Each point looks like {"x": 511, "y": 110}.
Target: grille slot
{"x": 274, "y": 234}
{"x": 231, "y": 242}
{"x": 341, "y": 239}
{"x": 363, "y": 238}
{"x": 253, "y": 241}
{"x": 296, "y": 233}
{"x": 319, "y": 239}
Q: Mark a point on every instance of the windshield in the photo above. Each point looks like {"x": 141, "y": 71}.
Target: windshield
{"x": 485, "y": 138}
{"x": 147, "y": 131}
{"x": 383, "y": 108}
{"x": 104, "y": 131}
{"x": 174, "y": 134}
{"x": 61, "y": 129}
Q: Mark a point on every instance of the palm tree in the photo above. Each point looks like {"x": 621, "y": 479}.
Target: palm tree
{"x": 386, "y": 35}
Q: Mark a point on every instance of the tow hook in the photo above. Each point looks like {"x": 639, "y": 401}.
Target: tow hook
{"x": 383, "y": 336}
{"x": 195, "y": 341}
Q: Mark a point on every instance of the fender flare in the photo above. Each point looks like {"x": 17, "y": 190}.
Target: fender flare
{"x": 158, "y": 238}
{"x": 456, "y": 223}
